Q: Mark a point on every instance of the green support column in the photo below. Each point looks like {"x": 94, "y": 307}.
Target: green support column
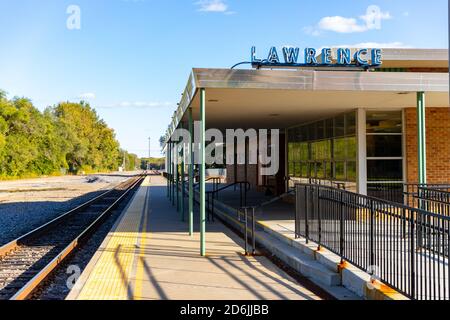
{"x": 202, "y": 174}
{"x": 421, "y": 135}
{"x": 191, "y": 173}
{"x": 168, "y": 169}
{"x": 182, "y": 182}
{"x": 173, "y": 173}
{"x": 177, "y": 178}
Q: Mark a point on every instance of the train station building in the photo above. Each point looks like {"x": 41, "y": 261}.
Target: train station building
{"x": 348, "y": 123}
{"x": 342, "y": 125}
{"x": 371, "y": 121}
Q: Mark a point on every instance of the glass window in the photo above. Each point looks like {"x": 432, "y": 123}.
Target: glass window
{"x": 385, "y": 170}
{"x": 329, "y": 128}
{"x": 384, "y": 146}
{"x": 321, "y": 150}
{"x": 295, "y": 152}
{"x": 304, "y": 134}
{"x": 340, "y": 148}
{"x": 297, "y": 169}
{"x": 298, "y": 134}
{"x": 384, "y": 122}
{"x": 339, "y": 170}
{"x": 314, "y": 148}
{"x": 352, "y": 148}
{"x": 312, "y": 170}
{"x": 305, "y": 169}
{"x": 350, "y": 123}
{"x": 320, "y": 170}
{"x": 328, "y": 170}
{"x": 291, "y": 169}
{"x": 339, "y": 126}
{"x": 351, "y": 171}
{"x": 320, "y": 130}
{"x": 304, "y": 151}
{"x": 312, "y": 128}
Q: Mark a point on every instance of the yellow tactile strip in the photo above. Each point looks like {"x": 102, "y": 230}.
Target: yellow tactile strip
{"x": 111, "y": 277}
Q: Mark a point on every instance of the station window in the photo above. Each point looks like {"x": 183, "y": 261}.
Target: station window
{"x": 384, "y": 122}
{"x": 384, "y": 147}
{"x": 324, "y": 149}
{"x": 385, "y": 170}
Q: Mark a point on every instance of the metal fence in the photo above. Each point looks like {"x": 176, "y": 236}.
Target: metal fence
{"x": 404, "y": 247}
{"x": 394, "y": 192}
{"x": 433, "y": 198}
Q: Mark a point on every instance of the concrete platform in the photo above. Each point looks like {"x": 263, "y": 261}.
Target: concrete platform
{"x": 149, "y": 256}
{"x": 276, "y": 233}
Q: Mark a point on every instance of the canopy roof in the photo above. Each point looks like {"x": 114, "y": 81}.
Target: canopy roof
{"x": 283, "y": 98}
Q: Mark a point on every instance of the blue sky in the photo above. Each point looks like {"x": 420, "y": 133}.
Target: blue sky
{"x": 131, "y": 58}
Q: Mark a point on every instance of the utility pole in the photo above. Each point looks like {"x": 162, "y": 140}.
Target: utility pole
{"x": 149, "y": 147}
{"x": 149, "y": 152}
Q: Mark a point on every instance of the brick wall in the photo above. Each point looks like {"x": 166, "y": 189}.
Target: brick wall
{"x": 438, "y": 145}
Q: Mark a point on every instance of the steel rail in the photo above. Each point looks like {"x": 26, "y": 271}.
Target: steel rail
{"x": 42, "y": 275}
{"x": 11, "y": 246}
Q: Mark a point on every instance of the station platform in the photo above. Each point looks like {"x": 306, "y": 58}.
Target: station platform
{"x": 149, "y": 255}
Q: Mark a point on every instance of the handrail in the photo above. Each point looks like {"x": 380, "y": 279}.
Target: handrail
{"x": 211, "y": 195}
{"x": 264, "y": 204}
{"x": 232, "y": 185}
{"x": 208, "y": 179}
{"x": 385, "y": 202}
{"x": 367, "y": 232}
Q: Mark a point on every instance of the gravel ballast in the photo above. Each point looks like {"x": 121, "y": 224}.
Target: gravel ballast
{"x": 28, "y": 204}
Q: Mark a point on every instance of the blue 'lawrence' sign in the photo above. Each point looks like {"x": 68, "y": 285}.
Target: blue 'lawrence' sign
{"x": 364, "y": 58}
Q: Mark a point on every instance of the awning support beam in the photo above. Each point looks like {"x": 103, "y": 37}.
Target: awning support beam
{"x": 191, "y": 173}
{"x": 421, "y": 138}
{"x": 177, "y": 177}
{"x": 202, "y": 173}
{"x": 168, "y": 166}
{"x": 173, "y": 158}
{"x": 183, "y": 183}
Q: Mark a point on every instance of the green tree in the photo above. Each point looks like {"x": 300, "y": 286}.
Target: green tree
{"x": 66, "y": 136}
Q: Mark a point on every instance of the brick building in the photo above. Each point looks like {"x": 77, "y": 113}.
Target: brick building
{"x": 341, "y": 126}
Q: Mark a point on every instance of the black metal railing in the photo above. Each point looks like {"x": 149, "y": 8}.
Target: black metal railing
{"x": 404, "y": 247}
{"x": 430, "y": 197}
{"x": 394, "y": 192}
{"x": 212, "y": 196}
{"x": 249, "y": 215}
{"x": 216, "y": 182}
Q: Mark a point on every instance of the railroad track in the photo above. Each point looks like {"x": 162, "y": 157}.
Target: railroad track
{"x": 27, "y": 261}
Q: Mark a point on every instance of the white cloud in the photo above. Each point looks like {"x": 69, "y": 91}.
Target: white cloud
{"x": 138, "y": 105}
{"x": 313, "y": 31}
{"x": 406, "y": 14}
{"x": 213, "y": 6}
{"x": 374, "y": 15}
{"x": 369, "y": 21}
{"x": 87, "y": 96}
{"x": 341, "y": 25}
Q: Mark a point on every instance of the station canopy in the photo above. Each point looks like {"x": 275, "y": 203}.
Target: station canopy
{"x": 283, "y": 98}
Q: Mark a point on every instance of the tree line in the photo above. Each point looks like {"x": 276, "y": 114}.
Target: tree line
{"x": 67, "y": 137}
